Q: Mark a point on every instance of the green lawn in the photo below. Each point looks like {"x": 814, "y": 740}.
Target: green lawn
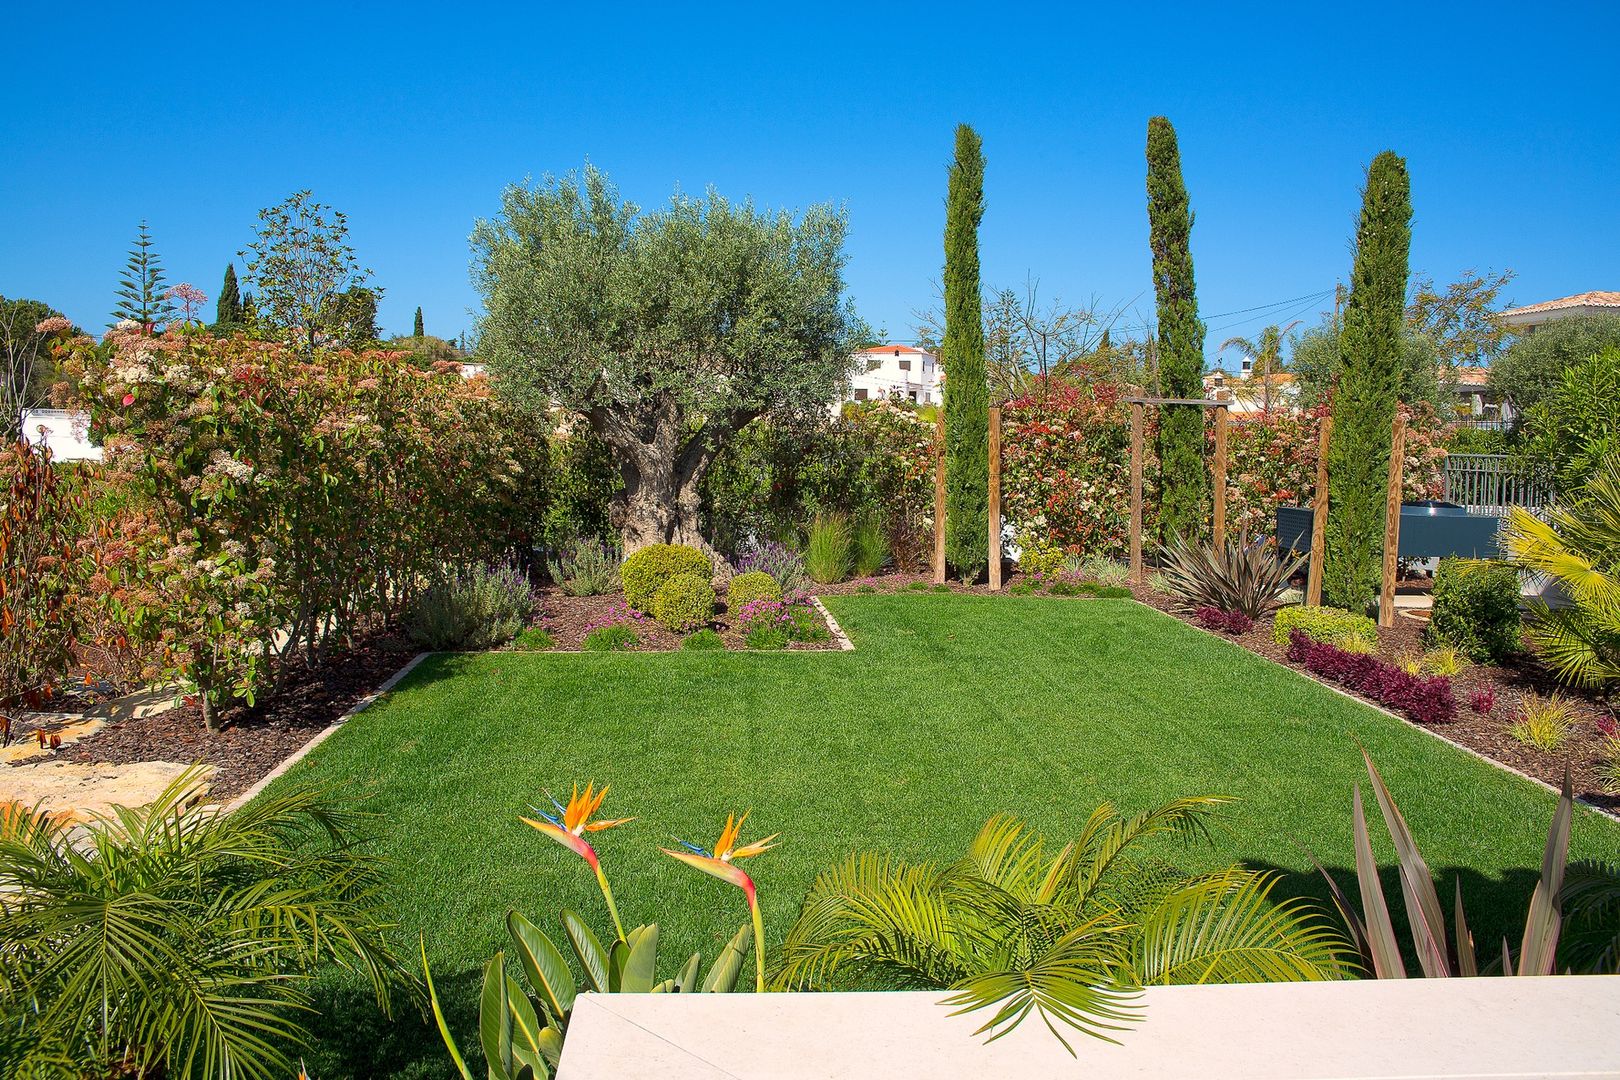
{"x": 951, "y": 709}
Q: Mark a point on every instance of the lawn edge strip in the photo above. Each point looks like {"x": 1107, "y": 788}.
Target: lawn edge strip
{"x": 1342, "y": 692}
{"x": 838, "y": 634}
{"x": 325, "y": 733}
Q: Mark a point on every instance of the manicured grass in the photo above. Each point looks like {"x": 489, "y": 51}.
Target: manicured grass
{"x": 952, "y": 708}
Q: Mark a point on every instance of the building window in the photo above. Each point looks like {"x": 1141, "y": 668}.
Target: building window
{"x": 905, "y": 365}
{"x": 860, "y": 395}
{"x": 913, "y": 397}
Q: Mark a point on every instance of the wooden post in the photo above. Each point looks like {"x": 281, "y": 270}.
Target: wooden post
{"x": 1136, "y": 492}
{"x": 995, "y": 500}
{"x": 939, "y": 506}
{"x": 1220, "y": 477}
{"x": 1392, "y": 521}
{"x": 1313, "y": 580}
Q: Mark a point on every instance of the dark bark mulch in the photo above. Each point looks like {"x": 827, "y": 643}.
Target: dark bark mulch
{"x": 254, "y": 739}
{"x": 1487, "y": 734}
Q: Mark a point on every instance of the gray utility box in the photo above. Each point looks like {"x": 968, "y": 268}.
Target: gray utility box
{"x": 1429, "y": 530}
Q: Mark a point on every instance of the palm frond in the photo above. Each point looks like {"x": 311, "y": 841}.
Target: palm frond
{"x": 1591, "y": 903}
{"x": 1226, "y": 928}
{"x": 1073, "y": 983}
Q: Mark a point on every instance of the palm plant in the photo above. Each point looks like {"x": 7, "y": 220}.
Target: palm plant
{"x": 1069, "y": 934}
{"x": 1242, "y": 576}
{"x": 1577, "y": 546}
{"x": 179, "y": 940}
{"x": 1265, "y": 356}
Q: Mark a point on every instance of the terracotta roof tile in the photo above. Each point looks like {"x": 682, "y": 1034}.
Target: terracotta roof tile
{"x": 1585, "y": 299}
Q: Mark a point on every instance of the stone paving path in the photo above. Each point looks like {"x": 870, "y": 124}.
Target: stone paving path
{"x": 31, "y": 776}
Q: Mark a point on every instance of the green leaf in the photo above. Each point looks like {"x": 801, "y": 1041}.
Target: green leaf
{"x": 495, "y": 1020}
{"x": 1538, "y": 951}
{"x": 686, "y": 981}
{"x": 438, "y": 1017}
{"x": 1381, "y": 940}
{"x": 728, "y": 965}
{"x": 525, "y": 1028}
{"x": 544, "y": 967}
{"x": 640, "y": 961}
{"x": 592, "y": 957}
{"x": 1423, "y": 911}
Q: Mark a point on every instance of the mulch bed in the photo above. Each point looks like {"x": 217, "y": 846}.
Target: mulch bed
{"x": 255, "y": 739}
{"x": 569, "y": 618}
{"x": 1485, "y": 734}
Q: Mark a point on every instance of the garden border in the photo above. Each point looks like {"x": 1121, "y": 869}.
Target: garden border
{"x": 325, "y": 733}
{"x": 1593, "y": 807}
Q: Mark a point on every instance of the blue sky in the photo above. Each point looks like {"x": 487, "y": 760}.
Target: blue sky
{"x": 412, "y": 118}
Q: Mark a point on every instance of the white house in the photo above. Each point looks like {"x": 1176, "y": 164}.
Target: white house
{"x": 895, "y": 372}
{"x": 66, "y": 433}
{"x": 1524, "y": 320}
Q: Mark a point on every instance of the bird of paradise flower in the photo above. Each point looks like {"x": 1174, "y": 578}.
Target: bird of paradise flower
{"x": 570, "y": 833}
{"x": 720, "y": 863}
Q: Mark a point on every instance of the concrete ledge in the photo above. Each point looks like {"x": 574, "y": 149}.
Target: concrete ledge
{"x": 1473, "y": 1028}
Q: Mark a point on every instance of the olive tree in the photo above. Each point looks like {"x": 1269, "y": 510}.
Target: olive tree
{"x": 666, "y": 331}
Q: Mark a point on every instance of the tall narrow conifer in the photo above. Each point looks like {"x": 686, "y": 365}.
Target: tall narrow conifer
{"x": 1181, "y": 337}
{"x": 967, "y": 393}
{"x": 1368, "y": 387}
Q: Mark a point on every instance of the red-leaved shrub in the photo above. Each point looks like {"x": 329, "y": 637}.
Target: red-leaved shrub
{"x": 1483, "y": 701}
{"x": 1223, "y": 622}
{"x": 1424, "y": 699}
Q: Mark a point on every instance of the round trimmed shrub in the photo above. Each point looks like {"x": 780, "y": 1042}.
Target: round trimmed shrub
{"x": 754, "y": 585}
{"x": 684, "y": 602}
{"x": 1476, "y": 608}
{"x": 646, "y": 571}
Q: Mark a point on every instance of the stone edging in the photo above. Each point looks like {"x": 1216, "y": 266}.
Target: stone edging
{"x": 832, "y": 624}
{"x": 325, "y": 733}
{"x": 1379, "y": 708}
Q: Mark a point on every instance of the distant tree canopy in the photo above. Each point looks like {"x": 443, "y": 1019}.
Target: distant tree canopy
{"x": 141, "y": 288}
{"x": 309, "y": 284}
{"x": 1316, "y": 361}
{"x": 1460, "y": 318}
{"x": 666, "y": 330}
{"x": 25, "y": 350}
{"x": 1533, "y": 366}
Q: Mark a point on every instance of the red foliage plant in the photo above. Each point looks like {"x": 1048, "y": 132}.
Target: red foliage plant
{"x": 1483, "y": 700}
{"x": 1424, "y": 699}
{"x": 1223, "y": 622}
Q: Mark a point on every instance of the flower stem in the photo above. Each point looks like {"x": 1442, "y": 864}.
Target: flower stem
{"x": 613, "y": 910}
{"x": 759, "y": 946}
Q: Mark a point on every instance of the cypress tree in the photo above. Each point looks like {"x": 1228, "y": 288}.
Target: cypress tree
{"x": 967, "y": 393}
{"x": 228, "y": 309}
{"x": 1181, "y": 338}
{"x": 140, "y": 286}
{"x": 416, "y": 327}
{"x": 1368, "y": 387}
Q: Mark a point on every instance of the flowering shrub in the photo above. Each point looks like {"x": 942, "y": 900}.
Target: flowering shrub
{"x": 39, "y": 569}
{"x": 773, "y": 623}
{"x": 1223, "y": 622}
{"x": 292, "y": 497}
{"x": 1065, "y": 466}
{"x": 618, "y": 613}
{"x": 1271, "y": 462}
{"x": 1424, "y": 700}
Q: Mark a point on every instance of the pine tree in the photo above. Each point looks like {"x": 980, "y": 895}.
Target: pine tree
{"x": 140, "y": 286}
{"x": 1181, "y": 337}
{"x": 1364, "y": 400}
{"x": 967, "y": 394}
{"x": 416, "y": 327}
{"x": 228, "y": 310}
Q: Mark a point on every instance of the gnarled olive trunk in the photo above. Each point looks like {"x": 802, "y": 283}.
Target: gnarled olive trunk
{"x": 663, "y": 463}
